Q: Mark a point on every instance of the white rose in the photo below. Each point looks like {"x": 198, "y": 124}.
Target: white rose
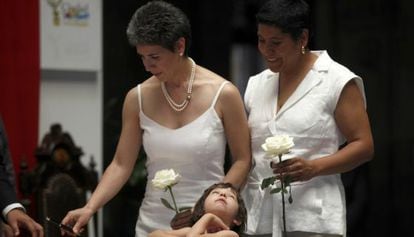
{"x": 165, "y": 178}
{"x": 277, "y": 145}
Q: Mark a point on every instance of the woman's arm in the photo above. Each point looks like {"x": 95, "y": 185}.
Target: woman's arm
{"x": 353, "y": 122}
{"x": 120, "y": 168}
{"x": 237, "y": 133}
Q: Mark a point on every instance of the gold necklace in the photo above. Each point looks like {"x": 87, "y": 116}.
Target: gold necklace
{"x": 183, "y": 105}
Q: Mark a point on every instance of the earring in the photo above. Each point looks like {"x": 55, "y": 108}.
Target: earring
{"x": 303, "y": 51}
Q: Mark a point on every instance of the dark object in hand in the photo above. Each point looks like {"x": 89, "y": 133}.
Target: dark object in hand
{"x": 182, "y": 219}
{"x": 64, "y": 227}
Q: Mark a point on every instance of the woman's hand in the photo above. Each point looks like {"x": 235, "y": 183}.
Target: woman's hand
{"x": 297, "y": 169}
{"x": 77, "y": 218}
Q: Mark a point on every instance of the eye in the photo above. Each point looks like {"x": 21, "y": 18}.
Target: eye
{"x": 232, "y": 196}
{"x": 275, "y": 43}
{"x": 155, "y": 57}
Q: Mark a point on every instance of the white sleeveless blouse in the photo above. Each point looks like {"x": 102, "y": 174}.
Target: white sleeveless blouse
{"x": 307, "y": 116}
{"x": 196, "y": 151}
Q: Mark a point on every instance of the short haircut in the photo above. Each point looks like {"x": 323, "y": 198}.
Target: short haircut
{"x": 291, "y": 16}
{"x": 159, "y": 23}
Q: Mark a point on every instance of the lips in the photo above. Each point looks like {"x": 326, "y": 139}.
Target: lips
{"x": 222, "y": 200}
{"x": 274, "y": 63}
{"x": 273, "y": 60}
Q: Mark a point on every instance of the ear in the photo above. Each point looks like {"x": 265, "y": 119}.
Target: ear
{"x": 236, "y": 222}
{"x": 304, "y": 38}
{"x": 180, "y": 45}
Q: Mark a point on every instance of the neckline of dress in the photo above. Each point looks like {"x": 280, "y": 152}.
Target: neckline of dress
{"x": 183, "y": 126}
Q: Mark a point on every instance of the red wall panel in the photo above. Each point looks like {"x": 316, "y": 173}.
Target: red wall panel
{"x": 20, "y": 77}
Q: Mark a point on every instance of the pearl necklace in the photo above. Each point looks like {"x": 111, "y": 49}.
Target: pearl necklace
{"x": 183, "y": 105}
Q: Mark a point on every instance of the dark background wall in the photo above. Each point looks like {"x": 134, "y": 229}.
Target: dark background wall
{"x": 372, "y": 38}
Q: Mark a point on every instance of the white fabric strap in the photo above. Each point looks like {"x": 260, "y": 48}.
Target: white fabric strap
{"x": 139, "y": 97}
{"x": 218, "y": 93}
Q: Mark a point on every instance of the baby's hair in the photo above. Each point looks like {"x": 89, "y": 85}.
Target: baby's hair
{"x": 241, "y": 213}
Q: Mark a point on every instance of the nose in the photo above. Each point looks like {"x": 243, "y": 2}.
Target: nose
{"x": 223, "y": 194}
{"x": 268, "y": 49}
{"x": 148, "y": 64}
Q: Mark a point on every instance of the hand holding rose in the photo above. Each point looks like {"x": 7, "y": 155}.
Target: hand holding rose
{"x": 297, "y": 169}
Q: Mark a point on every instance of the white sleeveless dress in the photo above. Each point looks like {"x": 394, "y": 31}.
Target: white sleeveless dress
{"x": 196, "y": 151}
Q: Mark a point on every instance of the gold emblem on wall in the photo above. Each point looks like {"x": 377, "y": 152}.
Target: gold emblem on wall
{"x": 54, "y": 4}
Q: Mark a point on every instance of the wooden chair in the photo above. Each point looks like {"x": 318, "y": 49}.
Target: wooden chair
{"x": 59, "y": 182}
{"x": 60, "y": 195}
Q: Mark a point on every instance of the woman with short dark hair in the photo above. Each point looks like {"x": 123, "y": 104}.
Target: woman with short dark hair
{"x": 320, "y": 104}
{"x": 183, "y": 115}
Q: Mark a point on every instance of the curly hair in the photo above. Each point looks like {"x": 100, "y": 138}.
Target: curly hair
{"x": 199, "y": 211}
{"x": 159, "y": 23}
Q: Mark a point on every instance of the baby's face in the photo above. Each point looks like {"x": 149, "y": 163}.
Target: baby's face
{"x": 223, "y": 203}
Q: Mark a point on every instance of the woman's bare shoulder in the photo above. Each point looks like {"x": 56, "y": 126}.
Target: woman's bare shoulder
{"x": 150, "y": 83}
{"x": 209, "y": 76}
{"x": 215, "y": 81}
